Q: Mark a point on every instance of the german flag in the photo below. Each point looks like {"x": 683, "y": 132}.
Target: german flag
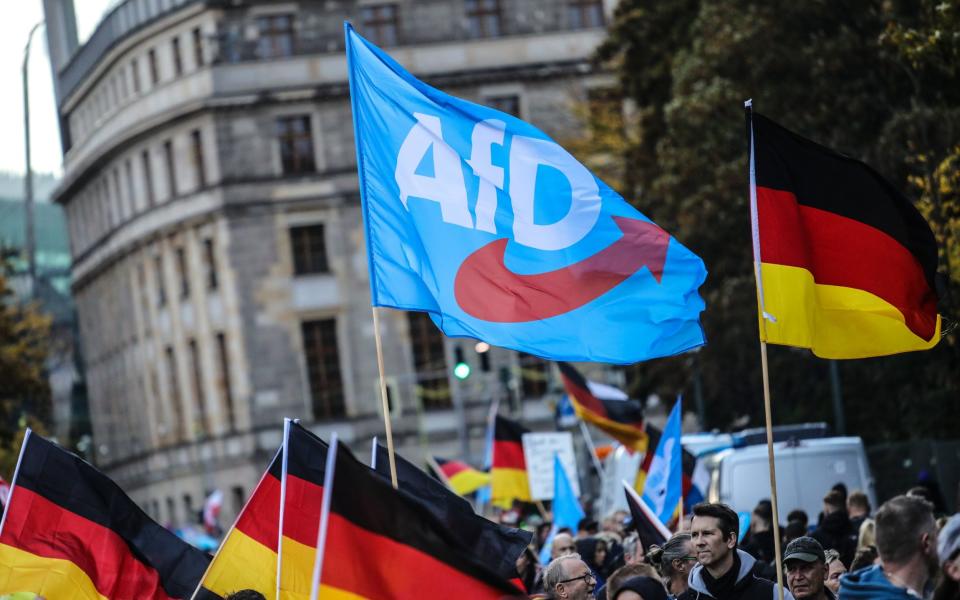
{"x": 382, "y": 543}
{"x": 508, "y": 475}
{"x": 605, "y": 406}
{"x": 71, "y": 532}
{"x": 458, "y": 475}
{"x": 247, "y": 558}
{"x": 489, "y": 543}
{"x": 847, "y": 264}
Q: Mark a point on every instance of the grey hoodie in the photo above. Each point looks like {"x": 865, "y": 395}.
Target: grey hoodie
{"x": 749, "y": 586}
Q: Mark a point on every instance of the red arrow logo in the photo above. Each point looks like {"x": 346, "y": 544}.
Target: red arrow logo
{"x": 486, "y": 289}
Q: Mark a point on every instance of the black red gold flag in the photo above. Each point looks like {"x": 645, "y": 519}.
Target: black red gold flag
{"x": 508, "y": 472}
{"x": 610, "y": 409}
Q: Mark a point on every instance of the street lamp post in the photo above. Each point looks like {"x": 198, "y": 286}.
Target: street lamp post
{"x": 29, "y": 238}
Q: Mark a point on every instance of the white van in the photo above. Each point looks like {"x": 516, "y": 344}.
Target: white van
{"x": 806, "y": 470}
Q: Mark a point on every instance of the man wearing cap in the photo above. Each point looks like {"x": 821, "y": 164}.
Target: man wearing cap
{"x": 806, "y": 567}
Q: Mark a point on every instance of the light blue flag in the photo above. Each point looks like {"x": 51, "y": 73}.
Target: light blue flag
{"x": 664, "y": 485}
{"x": 566, "y": 508}
{"x": 482, "y": 220}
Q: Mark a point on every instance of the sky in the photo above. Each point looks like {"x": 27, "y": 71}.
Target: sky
{"x": 45, "y": 136}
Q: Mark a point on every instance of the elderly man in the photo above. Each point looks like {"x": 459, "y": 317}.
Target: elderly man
{"x": 907, "y": 541}
{"x": 568, "y": 578}
{"x": 806, "y": 567}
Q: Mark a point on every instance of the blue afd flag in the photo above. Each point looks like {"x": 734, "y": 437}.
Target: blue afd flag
{"x": 486, "y": 223}
{"x": 566, "y": 508}
{"x": 664, "y": 485}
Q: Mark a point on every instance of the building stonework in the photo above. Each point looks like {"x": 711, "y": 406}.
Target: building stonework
{"x": 219, "y": 256}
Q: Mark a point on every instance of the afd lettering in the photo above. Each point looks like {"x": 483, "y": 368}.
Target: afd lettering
{"x": 447, "y": 187}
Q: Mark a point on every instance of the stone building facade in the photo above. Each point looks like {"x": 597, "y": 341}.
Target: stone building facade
{"x": 219, "y": 258}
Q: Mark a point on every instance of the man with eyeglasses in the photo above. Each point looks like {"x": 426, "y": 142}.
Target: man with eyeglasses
{"x": 569, "y": 578}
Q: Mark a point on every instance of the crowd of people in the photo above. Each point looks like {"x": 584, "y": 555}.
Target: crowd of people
{"x": 906, "y": 550}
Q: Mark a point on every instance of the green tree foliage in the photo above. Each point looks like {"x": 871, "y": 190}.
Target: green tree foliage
{"x": 876, "y": 80}
{"x": 24, "y": 392}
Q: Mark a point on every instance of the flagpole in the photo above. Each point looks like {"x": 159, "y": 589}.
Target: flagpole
{"x": 373, "y": 453}
{"x": 680, "y": 512}
{"x": 13, "y": 482}
{"x": 436, "y": 469}
{"x": 324, "y": 515}
{"x": 232, "y": 527}
{"x": 768, "y": 412}
{"x": 588, "y": 439}
{"x": 283, "y": 499}
{"x": 383, "y": 397}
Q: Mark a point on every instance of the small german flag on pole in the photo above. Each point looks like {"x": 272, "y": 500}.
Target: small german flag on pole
{"x": 605, "y": 406}
{"x": 508, "y": 474}
{"x": 845, "y": 263}
{"x": 458, "y": 475}
{"x": 71, "y": 532}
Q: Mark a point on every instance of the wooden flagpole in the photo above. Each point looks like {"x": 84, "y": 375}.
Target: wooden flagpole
{"x": 324, "y": 515}
{"x": 383, "y": 398}
{"x": 680, "y": 511}
{"x": 588, "y": 439}
{"x": 764, "y": 316}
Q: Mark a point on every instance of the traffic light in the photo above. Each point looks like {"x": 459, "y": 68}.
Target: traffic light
{"x": 461, "y": 370}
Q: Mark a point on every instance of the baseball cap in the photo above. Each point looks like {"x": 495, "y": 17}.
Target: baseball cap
{"x": 804, "y": 548}
{"x": 949, "y": 541}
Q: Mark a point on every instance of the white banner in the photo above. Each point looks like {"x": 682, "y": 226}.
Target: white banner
{"x": 539, "y": 450}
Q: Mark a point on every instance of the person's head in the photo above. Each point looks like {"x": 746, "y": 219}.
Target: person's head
{"x": 865, "y": 557}
{"x": 626, "y": 572}
{"x": 868, "y": 533}
{"x": 799, "y": 516}
{"x": 793, "y": 530}
{"x": 948, "y": 548}
{"x": 906, "y": 532}
{"x": 835, "y": 568}
{"x": 858, "y": 505}
{"x": 806, "y": 568}
{"x": 568, "y": 578}
{"x": 762, "y": 517}
{"x": 714, "y": 533}
{"x": 834, "y": 501}
{"x": 593, "y": 550}
{"x": 840, "y": 488}
{"x": 920, "y": 491}
{"x": 674, "y": 560}
{"x": 562, "y": 545}
{"x": 641, "y": 588}
{"x": 586, "y": 527}
{"x": 245, "y": 595}
{"x": 632, "y": 549}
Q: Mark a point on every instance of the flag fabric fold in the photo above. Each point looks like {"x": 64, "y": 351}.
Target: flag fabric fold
{"x": 483, "y": 221}
{"x": 663, "y": 489}
{"x": 606, "y": 407}
{"x": 383, "y": 543}
{"x": 845, "y": 263}
{"x": 508, "y": 475}
{"x": 566, "y": 508}
{"x": 71, "y": 532}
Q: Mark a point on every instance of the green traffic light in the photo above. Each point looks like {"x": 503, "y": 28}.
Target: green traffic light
{"x": 462, "y": 370}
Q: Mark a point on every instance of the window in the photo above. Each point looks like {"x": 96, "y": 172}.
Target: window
{"x": 197, "y": 46}
{"x": 171, "y": 172}
{"x": 158, "y": 271}
{"x": 177, "y": 59}
{"x": 276, "y": 36}
{"x": 309, "y": 250}
{"x": 135, "y": 73}
{"x": 196, "y": 146}
{"x": 128, "y": 171}
{"x": 154, "y": 72}
{"x": 148, "y": 177}
{"x": 534, "y": 374}
{"x": 119, "y": 197}
{"x": 192, "y": 517}
{"x": 296, "y": 144}
{"x": 236, "y": 492}
{"x": 429, "y": 362}
{"x": 380, "y": 24}
{"x": 176, "y": 402}
{"x": 171, "y": 511}
{"x": 323, "y": 368}
{"x": 202, "y": 425}
{"x": 183, "y": 272}
{"x": 226, "y": 390}
{"x": 210, "y": 263}
{"x": 508, "y": 104}
{"x": 483, "y": 18}
{"x": 585, "y": 13}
